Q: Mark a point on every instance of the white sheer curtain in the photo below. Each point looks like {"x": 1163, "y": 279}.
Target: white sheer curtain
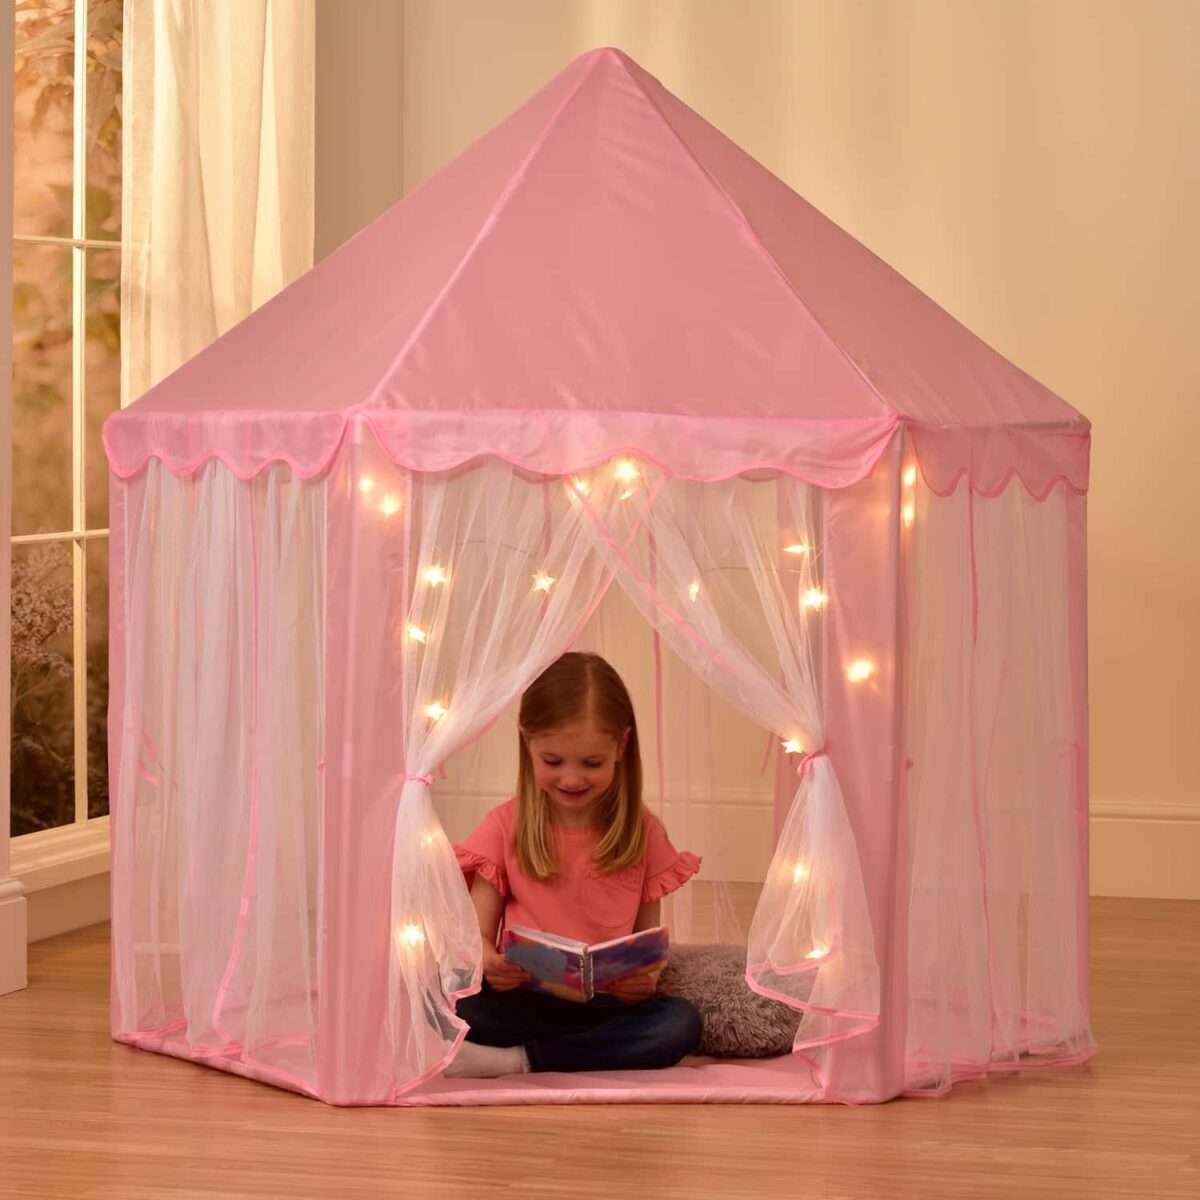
{"x": 502, "y": 582}
{"x": 216, "y": 818}
{"x": 997, "y": 796}
{"x": 708, "y": 572}
{"x": 217, "y": 202}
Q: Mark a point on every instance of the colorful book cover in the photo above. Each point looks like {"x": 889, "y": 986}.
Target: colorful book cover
{"x": 573, "y": 970}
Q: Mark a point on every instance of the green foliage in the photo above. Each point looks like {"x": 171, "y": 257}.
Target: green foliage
{"x": 43, "y": 768}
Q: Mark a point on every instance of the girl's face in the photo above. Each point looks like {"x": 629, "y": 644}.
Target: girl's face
{"x": 574, "y": 766}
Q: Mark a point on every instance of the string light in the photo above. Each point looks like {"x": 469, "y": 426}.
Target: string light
{"x": 436, "y": 711}
{"x": 428, "y": 839}
{"x": 416, "y": 634}
{"x": 581, "y": 485}
{"x": 411, "y": 935}
{"x": 626, "y": 493}
{"x": 626, "y": 471}
{"x": 799, "y": 872}
{"x": 817, "y": 952}
{"x": 543, "y": 582}
{"x": 797, "y": 548}
{"x": 908, "y": 512}
{"x": 693, "y": 590}
{"x": 389, "y": 505}
{"x": 814, "y": 598}
{"x": 792, "y": 746}
{"x": 860, "y": 669}
{"x": 365, "y": 484}
{"x": 435, "y": 576}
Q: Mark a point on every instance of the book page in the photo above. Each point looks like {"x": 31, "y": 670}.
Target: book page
{"x": 556, "y": 970}
{"x": 643, "y": 951}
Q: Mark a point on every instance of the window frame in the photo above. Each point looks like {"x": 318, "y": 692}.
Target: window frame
{"x": 76, "y": 850}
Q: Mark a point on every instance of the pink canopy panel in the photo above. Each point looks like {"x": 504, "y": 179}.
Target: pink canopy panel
{"x": 603, "y": 347}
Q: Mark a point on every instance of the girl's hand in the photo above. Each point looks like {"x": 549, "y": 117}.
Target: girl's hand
{"x": 501, "y": 974}
{"x": 633, "y": 989}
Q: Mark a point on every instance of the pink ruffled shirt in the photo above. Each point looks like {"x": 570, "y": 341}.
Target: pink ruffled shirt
{"x": 580, "y": 902}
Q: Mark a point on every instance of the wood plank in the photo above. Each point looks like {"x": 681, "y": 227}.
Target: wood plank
{"x": 81, "y": 1116}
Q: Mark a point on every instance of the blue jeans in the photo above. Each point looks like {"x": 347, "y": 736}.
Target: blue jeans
{"x": 602, "y": 1035}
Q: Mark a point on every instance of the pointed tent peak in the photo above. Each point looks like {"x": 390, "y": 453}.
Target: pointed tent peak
{"x": 613, "y": 53}
{"x": 611, "y": 63}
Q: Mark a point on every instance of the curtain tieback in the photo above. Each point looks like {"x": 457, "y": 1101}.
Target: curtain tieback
{"x": 808, "y": 757}
{"x": 427, "y": 780}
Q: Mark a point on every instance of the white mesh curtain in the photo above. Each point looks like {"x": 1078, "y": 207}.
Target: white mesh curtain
{"x": 997, "y": 793}
{"x": 215, "y": 821}
{"x": 708, "y": 572}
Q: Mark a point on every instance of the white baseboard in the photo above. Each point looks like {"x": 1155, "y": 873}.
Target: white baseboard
{"x": 1149, "y": 851}
{"x": 13, "y": 936}
{"x": 65, "y": 907}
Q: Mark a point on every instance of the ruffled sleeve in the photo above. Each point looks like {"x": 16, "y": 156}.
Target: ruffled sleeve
{"x": 483, "y": 853}
{"x": 666, "y": 868}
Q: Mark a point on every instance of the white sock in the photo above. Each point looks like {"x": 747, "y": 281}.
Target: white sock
{"x": 487, "y": 1062}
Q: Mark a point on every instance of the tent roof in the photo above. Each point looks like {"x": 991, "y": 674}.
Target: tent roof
{"x": 605, "y": 272}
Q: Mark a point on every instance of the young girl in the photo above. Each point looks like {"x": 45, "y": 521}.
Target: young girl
{"x": 576, "y": 854}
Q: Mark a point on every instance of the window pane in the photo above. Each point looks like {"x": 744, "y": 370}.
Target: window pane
{"x": 44, "y": 95}
{"x": 43, "y": 732}
{"x": 104, "y": 119}
{"x": 41, "y": 384}
{"x": 97, "y": 692}
{"x": 102, "y": 381}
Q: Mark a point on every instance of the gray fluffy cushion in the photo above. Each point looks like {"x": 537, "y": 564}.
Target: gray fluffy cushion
{"x": 738, "y": 1023}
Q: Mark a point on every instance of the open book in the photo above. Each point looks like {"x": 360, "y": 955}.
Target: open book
{"x": 574, "y": 970}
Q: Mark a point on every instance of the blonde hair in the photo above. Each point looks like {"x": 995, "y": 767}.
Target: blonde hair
{"x": 574, "y": 687}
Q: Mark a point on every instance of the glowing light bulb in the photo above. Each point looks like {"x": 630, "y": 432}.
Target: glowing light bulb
{"x": 860, "y": 669}
{"x": 814, "y": 598}
{"x": 411, "y": 935}
{"x": 799, "y": 872}
{"x": 581, "y": 486}
{"x": 817, "y": 952}
{"x": 792, "y": 746}
{"x": 365, "y": 484}
{"x": 428, "y": 839}
{"x": 436, "y": 711}
{"x": 416, "y": 634}
{"x": 543, "y": 582}
{"x": 389, "y": 505}
{"x": 693, "y": 590}
{"x": 908, "y": 513}
{"x": 625, "y": 472}
{"x": 435, "y": 576}
{"x": 797, "y": 548}
{"x": 910, "y": 476}
{"x": 626, "y": 493}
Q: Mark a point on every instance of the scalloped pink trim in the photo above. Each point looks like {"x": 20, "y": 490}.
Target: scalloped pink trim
{"x": 472, "y": 863}
{"x": 674, "y": 877}
{"x": 991, "y": 492}
{"x": 992, "y": 484}
{"x": 989, "y": 484}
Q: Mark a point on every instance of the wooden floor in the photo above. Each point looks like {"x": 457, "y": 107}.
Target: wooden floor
{"x": 81, "y": 1116}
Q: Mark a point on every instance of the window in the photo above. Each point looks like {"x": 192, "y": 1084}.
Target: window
{"x": 66, "y": 381}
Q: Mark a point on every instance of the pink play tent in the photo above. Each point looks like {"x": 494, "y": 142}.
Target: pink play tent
{"x": 601, "y": 347}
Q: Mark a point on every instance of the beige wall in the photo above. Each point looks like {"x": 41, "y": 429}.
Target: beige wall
{"x": 1032, "y": 164}
{"x": 359, "y": 115}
